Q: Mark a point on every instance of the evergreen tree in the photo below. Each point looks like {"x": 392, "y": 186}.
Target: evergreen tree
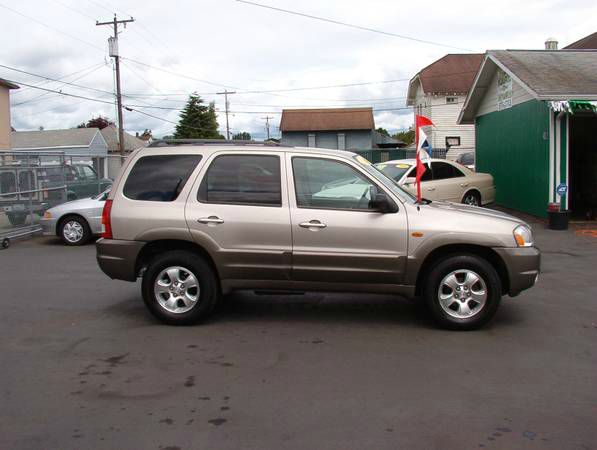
{"x": 197, "y": 121}
{"x": 242, "y": 136}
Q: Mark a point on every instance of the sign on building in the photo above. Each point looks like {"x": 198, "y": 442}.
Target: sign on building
{"x": 504, "y": 87}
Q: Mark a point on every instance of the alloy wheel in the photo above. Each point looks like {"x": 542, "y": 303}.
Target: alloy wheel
{"x": 73, "y": 231}
{"x": 176, "y": 289}
{"x": 462, "y": 294}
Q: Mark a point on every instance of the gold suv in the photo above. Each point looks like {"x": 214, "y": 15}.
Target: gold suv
{"x": 197, "y": 221}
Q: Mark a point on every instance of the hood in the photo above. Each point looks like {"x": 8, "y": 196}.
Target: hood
{"x": 83, "y": 203}
{"x": 475, "y": 210}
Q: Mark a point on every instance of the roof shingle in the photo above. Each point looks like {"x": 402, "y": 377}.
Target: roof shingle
{"x": 557, "y": 73}
{"x": 74, "y": 137}
{"x": 452, "y": 74}
{"x": 327, "y": 119}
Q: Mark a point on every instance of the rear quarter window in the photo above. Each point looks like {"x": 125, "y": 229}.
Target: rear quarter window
{"x": 159, "y": 178}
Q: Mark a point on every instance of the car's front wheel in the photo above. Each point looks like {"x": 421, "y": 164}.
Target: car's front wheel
{"x": 472, "y": 198}
{"x": 180, "y": 288}
{"x": 463, "y": 292}
{"x": 74, "y": 230}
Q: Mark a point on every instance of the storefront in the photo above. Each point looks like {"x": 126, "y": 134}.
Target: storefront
{"x": 535, "y": 116}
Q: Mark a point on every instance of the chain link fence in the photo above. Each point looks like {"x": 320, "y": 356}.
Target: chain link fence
{"x": 31, "y": 183}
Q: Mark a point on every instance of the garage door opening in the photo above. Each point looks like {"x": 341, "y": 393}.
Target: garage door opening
{"x": 583, "y": 166}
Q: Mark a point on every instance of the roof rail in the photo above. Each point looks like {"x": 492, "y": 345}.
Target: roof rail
{"x": 177, "y": 142}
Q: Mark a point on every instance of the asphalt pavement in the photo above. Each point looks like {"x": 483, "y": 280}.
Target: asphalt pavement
{"x": 84, "y": 366}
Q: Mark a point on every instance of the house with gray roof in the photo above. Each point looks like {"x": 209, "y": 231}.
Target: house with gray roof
{"x": 83, "y": 144}
{"x": 535, "y": 116}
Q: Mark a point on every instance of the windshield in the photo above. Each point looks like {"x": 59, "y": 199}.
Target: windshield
{"x": 394, "y": 171}
{"x": 384, "y": 179}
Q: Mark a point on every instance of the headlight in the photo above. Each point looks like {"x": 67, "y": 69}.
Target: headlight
{"x": 523, "y": 236}
{"x": 47, "y": 215}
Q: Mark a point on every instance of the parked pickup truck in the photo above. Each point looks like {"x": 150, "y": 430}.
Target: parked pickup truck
{"x": 196, "y": 222}
{"x": 35, "y": 188}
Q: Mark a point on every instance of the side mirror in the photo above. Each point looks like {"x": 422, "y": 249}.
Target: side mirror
{"x": 381, "y": 202}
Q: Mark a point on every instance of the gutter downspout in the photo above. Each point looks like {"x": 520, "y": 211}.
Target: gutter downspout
{"x": 558, "y": 150}
{"x": 551, "y": 155}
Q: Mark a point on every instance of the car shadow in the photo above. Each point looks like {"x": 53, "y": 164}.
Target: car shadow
{"x": 322, "y": 308}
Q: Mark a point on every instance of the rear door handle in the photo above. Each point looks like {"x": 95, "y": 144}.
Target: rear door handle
{"x": 463, "y": 184}
{"x": 431, "y": 189}
{"x": 312, "y": 224}
{"x": 210, "y": 219}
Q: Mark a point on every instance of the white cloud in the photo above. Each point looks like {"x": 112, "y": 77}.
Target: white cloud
{"x": 238, "y": 45}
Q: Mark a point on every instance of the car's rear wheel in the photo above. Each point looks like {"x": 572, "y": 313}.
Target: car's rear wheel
{"x": 472, "y": 198}
{"x": 74, "y": 230}
{"x": 180, "y": 288}
{"x": 463, "y": 292}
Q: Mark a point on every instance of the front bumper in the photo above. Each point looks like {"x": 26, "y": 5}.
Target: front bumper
{"x": 523, "y": 265}
{"x": 48, "y": 227}
{"x": 118, "y": 258}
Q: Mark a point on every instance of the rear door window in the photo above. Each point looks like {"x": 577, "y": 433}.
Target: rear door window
{"x": 159, "y": 178}
{"x": 442, "y": 171}
{"x": 242, "y": 180}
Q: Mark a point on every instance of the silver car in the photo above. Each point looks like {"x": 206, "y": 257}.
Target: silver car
{"x": 77, "y": 221}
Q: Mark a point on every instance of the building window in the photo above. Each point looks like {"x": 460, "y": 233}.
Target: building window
{"x": 452, "y": 141}
{"x": 451, "y": 100}
{"x": 341, "y": 141}
{"x": 311, "y": 140}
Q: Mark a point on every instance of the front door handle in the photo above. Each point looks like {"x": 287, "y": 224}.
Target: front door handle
{"x": 211, "y": 219}
{"x": 312, "y": 224}
{"x": 431, "y": 189}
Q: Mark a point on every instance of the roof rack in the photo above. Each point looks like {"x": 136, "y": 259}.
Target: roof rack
{"x": 177, "y": 142}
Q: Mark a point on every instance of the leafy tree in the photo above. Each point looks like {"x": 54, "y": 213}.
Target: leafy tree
{"x": 96, "y": 122}
{"x": 383, "y": 131}
{"x": 408, "y": 136}
{"x": 242, "y": 136}
{"x": 197, "y": 121}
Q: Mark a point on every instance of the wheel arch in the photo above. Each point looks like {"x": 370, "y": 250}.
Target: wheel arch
{"x": 475, "y": 190}
{"x": 446, "y": 251}
{"x": 153, "y": 248}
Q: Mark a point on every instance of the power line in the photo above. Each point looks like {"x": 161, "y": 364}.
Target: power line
{"x": 49, "y": 79}
{"x": 358, "y": 27}
{"x": 41, "y": 83}
{"x": 51, "y": 27}
{"x": 41, "y": 96}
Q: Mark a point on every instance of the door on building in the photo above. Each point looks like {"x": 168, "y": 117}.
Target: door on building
{"x": 582, "y": 195}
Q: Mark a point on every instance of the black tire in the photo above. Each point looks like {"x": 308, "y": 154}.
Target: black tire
{"x": 209, "y": 293}
{"x": 17, "y": 219}
{"x": 86, "y": 236}
{"x": 472, "y": 198}
{"x": 455, "y": 263}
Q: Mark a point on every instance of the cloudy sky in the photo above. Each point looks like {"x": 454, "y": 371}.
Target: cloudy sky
{"x": 177, "y": 47}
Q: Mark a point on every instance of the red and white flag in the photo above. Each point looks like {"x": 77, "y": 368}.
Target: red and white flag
{"x": 422, "y": 155}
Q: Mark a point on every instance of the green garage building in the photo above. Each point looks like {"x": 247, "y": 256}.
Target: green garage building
{"x": 535, "y": 116}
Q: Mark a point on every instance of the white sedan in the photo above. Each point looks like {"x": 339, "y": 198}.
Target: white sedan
{"x": 444, "y": 181}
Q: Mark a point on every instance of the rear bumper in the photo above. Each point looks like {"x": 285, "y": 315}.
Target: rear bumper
{"x": 117, "y": 258}
{"x": 523, "y": 265}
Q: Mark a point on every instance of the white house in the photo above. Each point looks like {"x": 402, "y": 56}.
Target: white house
{"x": 438, "y": 92}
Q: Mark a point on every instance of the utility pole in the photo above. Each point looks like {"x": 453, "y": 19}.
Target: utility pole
{"x": 113, "y": 44}
{"x": 227, "y": 105}
{"x": 267, "y": 118}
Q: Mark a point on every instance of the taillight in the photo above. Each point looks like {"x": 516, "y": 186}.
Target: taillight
{"x": 106, "y": 222}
